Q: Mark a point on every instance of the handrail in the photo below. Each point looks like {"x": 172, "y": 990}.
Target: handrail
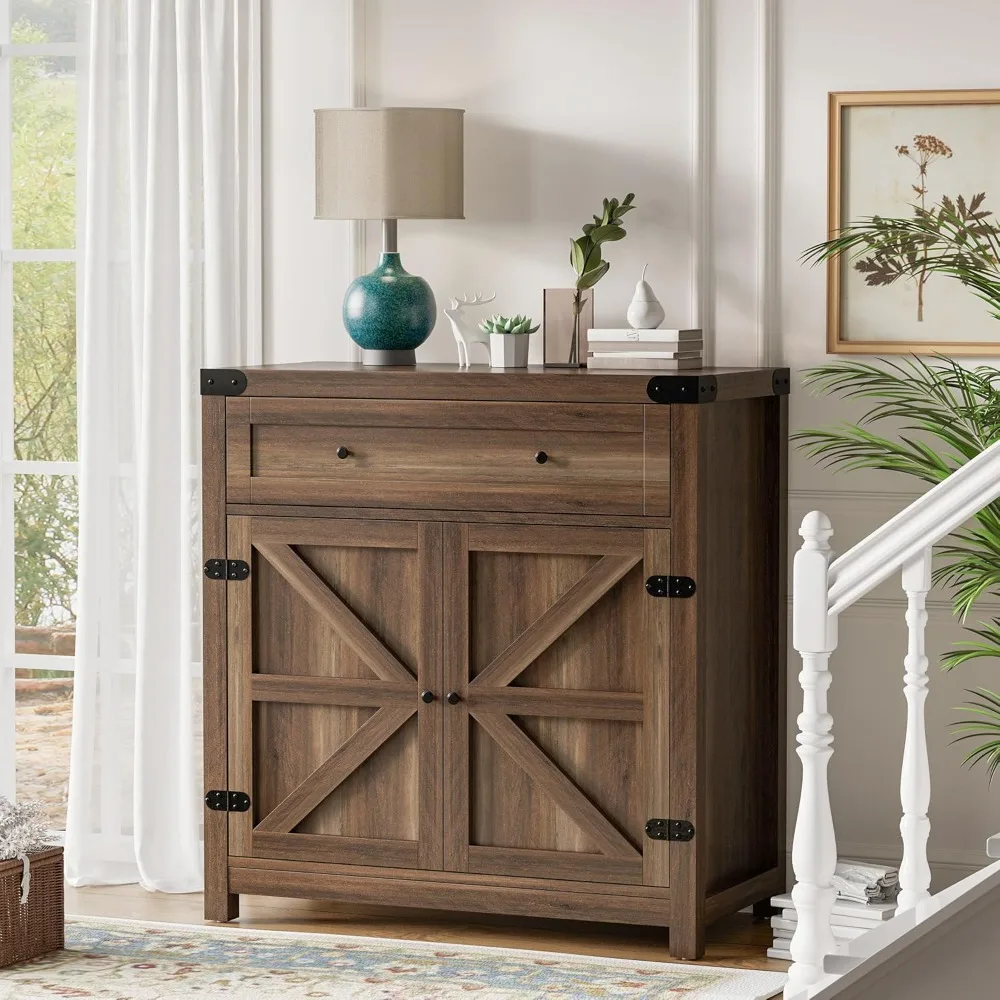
{"x": 923, "y": 523}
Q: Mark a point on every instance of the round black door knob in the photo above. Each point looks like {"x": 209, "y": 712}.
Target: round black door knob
{"x": 426, "y": 697}
{"x": 342, "y": 452}
{"x": 541, "y": 458}
{"x": 452, "y": 698}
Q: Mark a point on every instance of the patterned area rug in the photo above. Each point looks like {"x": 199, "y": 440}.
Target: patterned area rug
{"x": 135, "y": 960}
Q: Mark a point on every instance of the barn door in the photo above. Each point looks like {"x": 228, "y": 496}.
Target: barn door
{"x": 333, "y": 639}
{"x": 555, "y": 731}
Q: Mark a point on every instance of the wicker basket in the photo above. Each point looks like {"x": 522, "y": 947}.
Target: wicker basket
{"x": 36, "y": 927}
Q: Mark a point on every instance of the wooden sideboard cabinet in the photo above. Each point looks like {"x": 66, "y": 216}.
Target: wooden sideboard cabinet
{"x": 508, "y": 642}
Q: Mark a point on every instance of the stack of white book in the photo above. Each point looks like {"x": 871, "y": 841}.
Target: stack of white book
{"x": 661, "y": 349}
{"x": 850, "y": 920}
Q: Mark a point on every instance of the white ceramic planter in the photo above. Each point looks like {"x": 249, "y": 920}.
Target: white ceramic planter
{"x": 509, "y": 350}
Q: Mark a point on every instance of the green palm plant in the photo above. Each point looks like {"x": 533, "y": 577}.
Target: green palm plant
{"x": 938, "y": 415}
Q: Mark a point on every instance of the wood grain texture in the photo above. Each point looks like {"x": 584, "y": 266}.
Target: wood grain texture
{"x": 454, "y": 562}
{"x": 688, "y": 624}
{"x": 237, "y": 448}
{"x": 776, "y": 473}
{"x": 455, "y": 662}
{"x": 354, "y": 533}
{"x": 745, "y": 670}
{"x": 433, "y": 767}
{"x": 580, "y": 496}
{"x": 452, "y": 415}
{"x": 656, "y": 722}
{"x": 239, "y": 604}
{"x": 449, "y": 382}
{"x": 557, "y": 703}
{"x": 632, "y": 890}
{"x": 482, "y": 517}
{"x": 567, "y": 610}
{"x": 453, "y": 896}
{"x": 584, "y": 540}
{"x": 555, "y": 865}
{"x": 335, "y": 769}
{"x": 220, "y": 904}
{"x": 355, "y": 850}
{"x": 656, "y": 459}
{"x": 342, "y": 619}
{"x": 306, "y": 689}
{"x": 548, "y": 776}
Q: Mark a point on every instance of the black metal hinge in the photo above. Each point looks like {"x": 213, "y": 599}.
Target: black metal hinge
{"x": 683, "y": 388}
{"x": 670, "y": 586}
{"x": 669, "y": 829}
{"x": 781, "y": 382}
{"x": 223, "y": 382}
{"x": 223, "y": 801}
{"x": 227, "y": 569}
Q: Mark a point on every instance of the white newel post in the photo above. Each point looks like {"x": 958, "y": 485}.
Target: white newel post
{"x": 915, "y": 777}
{"x": 814, "y": 848}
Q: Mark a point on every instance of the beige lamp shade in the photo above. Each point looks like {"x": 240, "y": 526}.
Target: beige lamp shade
{"x": 389, "y": 163}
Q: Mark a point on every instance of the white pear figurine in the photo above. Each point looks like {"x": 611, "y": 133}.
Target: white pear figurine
{"x": 645, "y": 311}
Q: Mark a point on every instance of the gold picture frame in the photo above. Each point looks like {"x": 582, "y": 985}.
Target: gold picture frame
{"x": 842, "y": 145}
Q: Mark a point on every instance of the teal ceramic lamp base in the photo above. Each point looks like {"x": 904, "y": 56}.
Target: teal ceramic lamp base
{"x": 389, "y": 312}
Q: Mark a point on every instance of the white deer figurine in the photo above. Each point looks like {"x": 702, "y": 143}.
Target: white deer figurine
{"x": 464, "y": 333}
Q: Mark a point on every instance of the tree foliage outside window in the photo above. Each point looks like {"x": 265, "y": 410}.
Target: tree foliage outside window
{"x": 43, "y": 162}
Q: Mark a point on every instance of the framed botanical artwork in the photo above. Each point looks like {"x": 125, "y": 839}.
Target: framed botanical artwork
{"x": 908, "y": 155}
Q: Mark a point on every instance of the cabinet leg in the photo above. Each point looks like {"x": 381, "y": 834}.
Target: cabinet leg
{"x": 687, "y": 939}
{"x": 763, "y": 910}
{"x": 221, "y": 906}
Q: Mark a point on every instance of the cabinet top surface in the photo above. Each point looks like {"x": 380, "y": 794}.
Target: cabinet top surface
{"x": 449, "y": 381}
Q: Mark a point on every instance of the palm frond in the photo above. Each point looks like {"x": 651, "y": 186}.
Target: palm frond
{"x": 984, "y": 708}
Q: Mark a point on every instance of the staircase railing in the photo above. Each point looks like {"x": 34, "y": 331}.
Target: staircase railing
{"x": 822, "y": 589}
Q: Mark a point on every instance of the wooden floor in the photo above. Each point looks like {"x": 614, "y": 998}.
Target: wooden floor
{"x": 737, "y": 941}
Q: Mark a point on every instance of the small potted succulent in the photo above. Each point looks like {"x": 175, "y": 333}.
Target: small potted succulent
{"x": 508, "y": 340}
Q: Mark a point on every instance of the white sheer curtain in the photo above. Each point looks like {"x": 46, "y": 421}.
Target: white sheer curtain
{"x": 164, "y": 288}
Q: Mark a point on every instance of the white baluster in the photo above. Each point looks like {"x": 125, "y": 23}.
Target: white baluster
{"x": 915, "y": 777}
{"x": 814, "y": 848}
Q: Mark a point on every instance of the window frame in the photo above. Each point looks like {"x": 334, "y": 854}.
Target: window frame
{"x": 10, "y": 659}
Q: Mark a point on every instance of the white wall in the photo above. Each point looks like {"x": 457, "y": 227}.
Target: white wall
{"x": 714, "y": 113}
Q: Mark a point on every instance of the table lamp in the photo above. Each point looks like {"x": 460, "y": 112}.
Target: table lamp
{"x": 389, "y": 164}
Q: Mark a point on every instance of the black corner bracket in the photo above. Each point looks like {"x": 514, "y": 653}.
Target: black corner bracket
{"x": 670, "y": 829}
{"x": 781, "y": 382}
{"x": 670, "y": 586}
{"x": 223, "y": 382}
{"x": 683, "y": 388}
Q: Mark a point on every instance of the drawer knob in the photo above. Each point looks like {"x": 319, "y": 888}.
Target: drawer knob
{"x": 426, "y": 697}
{"x": 541, "y": 458}
{"x": 342, "y": 452}
{"x": 452, "y": 698}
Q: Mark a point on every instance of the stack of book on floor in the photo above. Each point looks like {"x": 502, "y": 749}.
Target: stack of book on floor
{"x": 866, "y": 896}
{"x": 660, "y": 349}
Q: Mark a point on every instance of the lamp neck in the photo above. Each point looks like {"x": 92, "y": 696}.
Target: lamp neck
{"x": 389, "y": 243}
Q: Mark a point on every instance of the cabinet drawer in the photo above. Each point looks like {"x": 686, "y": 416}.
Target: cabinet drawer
{"x": 449, "y": 455}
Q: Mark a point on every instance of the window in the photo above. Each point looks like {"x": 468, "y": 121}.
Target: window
{"x": 42, "y": 107}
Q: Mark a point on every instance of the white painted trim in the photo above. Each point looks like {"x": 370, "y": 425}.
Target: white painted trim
{"x": 16, "y": 256}
{"x": 40, "y": 49}
{"x": 357, "y": 42}
{"x": 24, "y": 468}
{"x": 924, "y": 522}
{"x": 885, "y": 948}
{"x": 702, "y": 303}
{"x": 254, "y": 304}
{"x": 768, "y": 198}
{"x": 8, "y": 737}
{"x": 43, "y": 661}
